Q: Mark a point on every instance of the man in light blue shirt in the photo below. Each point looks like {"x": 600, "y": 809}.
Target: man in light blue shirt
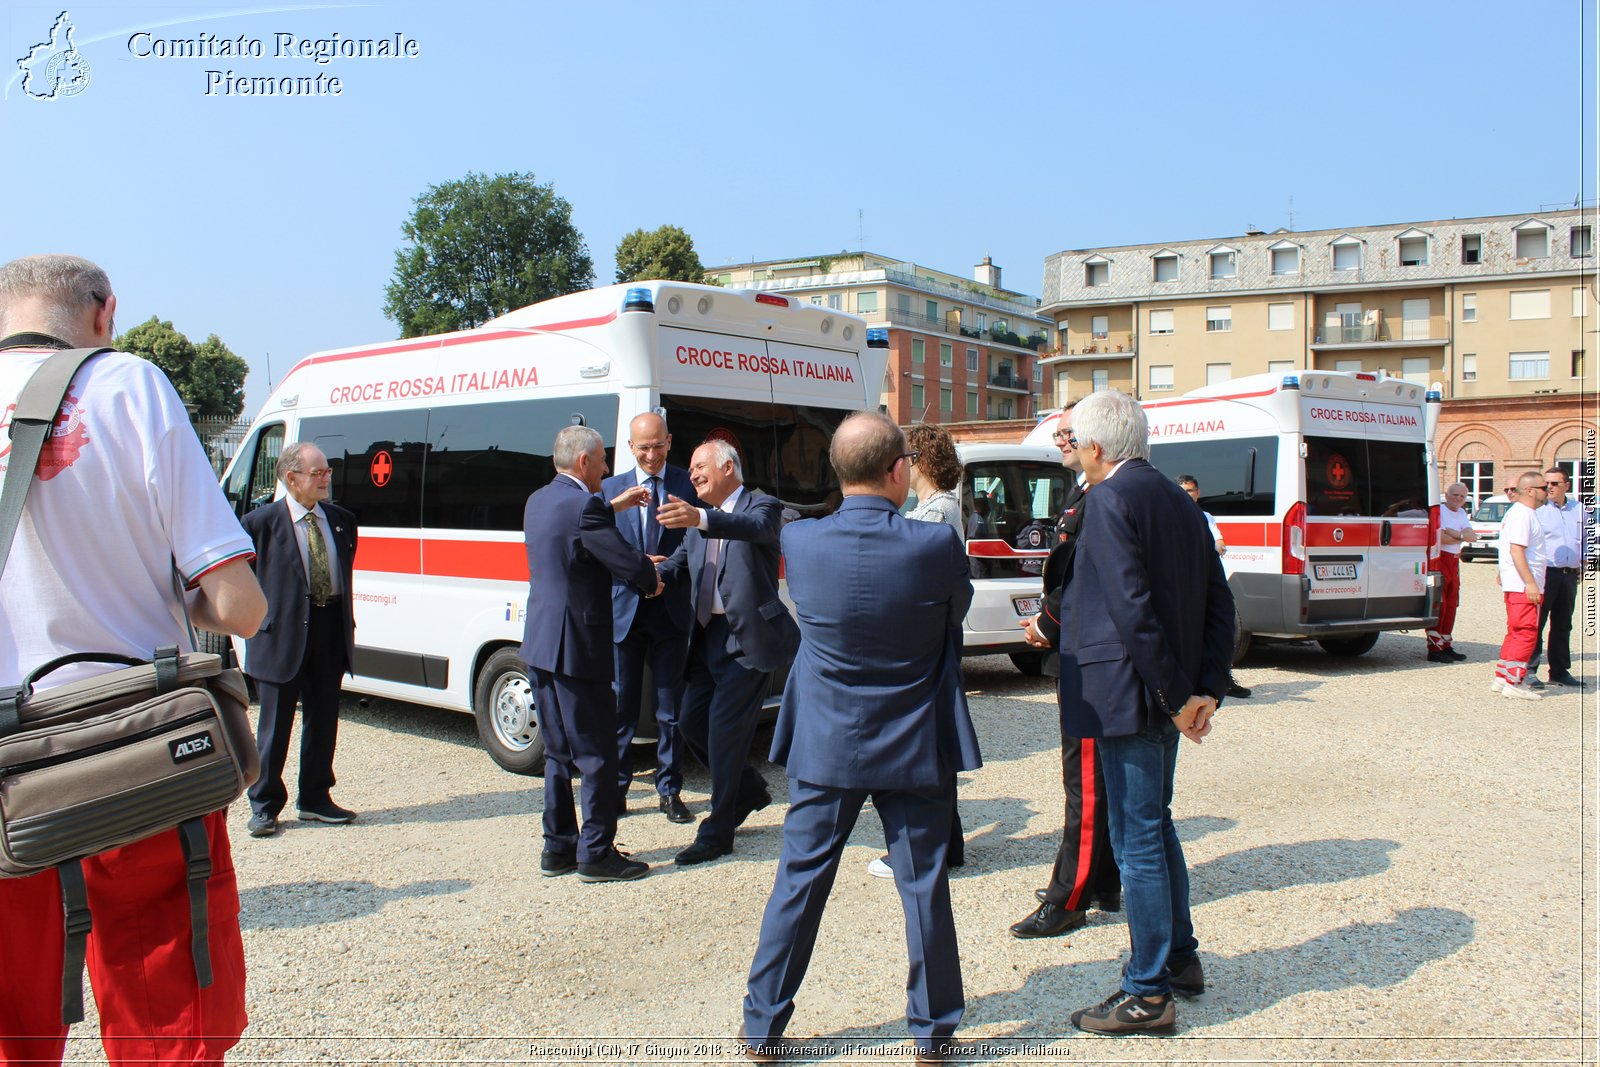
{"x": 1564, "y": 522}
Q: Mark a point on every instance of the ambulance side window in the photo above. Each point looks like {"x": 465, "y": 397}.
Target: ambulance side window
{"x": 484, "y": 459}
{"x": 1237, "y": 477}
{"x": 378, "y": 460}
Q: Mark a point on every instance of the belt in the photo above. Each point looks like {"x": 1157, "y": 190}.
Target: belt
{"x": 331, "y": 602}
{"x": 1565, "y": 570}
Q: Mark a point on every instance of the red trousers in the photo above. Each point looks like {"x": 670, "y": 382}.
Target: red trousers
{"x": 140, "y": 963}
{"x": 1522, "y": 630}
{"x": 1450, "y": 570}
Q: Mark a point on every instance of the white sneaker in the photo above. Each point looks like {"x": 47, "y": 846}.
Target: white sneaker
{"x": 879, "y": 868}
{"x": 1497, "y": 685}
{"x": 1520, "y": 692}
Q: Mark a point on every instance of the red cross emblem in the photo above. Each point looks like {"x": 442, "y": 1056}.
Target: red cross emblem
{"x": 382, "y": 469}
{"x": 1338, "y": 472}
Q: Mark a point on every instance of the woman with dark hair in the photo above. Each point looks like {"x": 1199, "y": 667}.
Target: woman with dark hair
{"x": 935, "y": 474}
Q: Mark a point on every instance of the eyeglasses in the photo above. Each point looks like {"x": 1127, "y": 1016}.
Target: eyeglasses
{"x": 1065, "y": 435}
{"x": 911, "y": 456}
{"x": 1554, "y": 485}
{"x": 317, "y": 472}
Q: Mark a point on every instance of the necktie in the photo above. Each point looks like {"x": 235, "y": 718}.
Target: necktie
{"x": 652, "y": 528}
{"x": 706, "y": 595}
{"x": 317, "y": 552}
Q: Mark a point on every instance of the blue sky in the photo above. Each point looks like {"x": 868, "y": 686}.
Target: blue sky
{"x": 935, "y": 132}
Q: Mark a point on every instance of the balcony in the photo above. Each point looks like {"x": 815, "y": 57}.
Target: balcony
{"x": 1349, "y": 333}
{"x": 1011, "y": 382}
{"x": 913, "y": 321}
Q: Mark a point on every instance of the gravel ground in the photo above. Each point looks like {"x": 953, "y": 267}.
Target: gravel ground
{"x": 1389, "y": 865}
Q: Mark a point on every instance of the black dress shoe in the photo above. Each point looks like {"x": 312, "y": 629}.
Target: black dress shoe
{"x": 1049, "y": 920}
{"x": 701, "y": 852}
{"x": 1566, "y": 678}
{"x": 1439, "y": 655}
{"x": 1237, "y": 691}
{"x": 262, "y": 825}
{"x": 614, "y": 866}
{"x": 675, "y": 809}
{"x": 1453, "y": 654}
{"x": 554, "y": 864}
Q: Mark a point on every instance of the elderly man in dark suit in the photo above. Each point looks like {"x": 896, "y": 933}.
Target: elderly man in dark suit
{"x": 574, "y": 553}
{"x": 1146, "y": 638}
{"x": 1085, "y": 872}
{"x": 873, "y": 708}
{"x": 656, "y": 630}
{"x": 742, "y": 634}
{"x": 305, "y": 554}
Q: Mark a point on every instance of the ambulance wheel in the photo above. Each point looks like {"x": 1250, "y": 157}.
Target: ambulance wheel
{"x": 1241, "y": 640}
{"x": 508, "y": 722}
{"x": 1028, "y": 662}
{"x": 1348, "y": 646}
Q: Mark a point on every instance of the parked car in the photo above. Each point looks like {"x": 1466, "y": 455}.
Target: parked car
{"x": 1486, "y": 524}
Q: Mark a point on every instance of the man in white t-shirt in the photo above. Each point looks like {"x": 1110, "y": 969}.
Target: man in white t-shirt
{"x": 1455, "y": 530}
{"x": 124, "y": 496}
{"x": 1522, "y": 566}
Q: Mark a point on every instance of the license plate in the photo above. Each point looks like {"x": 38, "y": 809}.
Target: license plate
{"x": 1026, "y": 605}
{"x": 1334, "y": 572}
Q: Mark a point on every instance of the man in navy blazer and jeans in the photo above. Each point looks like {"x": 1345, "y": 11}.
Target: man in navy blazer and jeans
{"x": 1146, "y": 639}
{"x": 742, "y": 634}
{"x": 653, "y": 630}
{"x": 574, "y": 551}
{"x": 873, "y": 707}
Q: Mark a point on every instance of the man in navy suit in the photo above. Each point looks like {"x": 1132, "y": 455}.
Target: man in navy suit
{"x": 742, "y": 634}
{"x": 305, "y": 555}
{"x": 655, "y": 630}
{"x": 1146, "y": 638}
{"x": 574, "y": 553}
{"x": 873, "y": 708}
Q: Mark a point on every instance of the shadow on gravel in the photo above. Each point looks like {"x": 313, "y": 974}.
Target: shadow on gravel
{"x": 418, "y": 720}
{"x": 292, "y": 905}
{"x": 524, "y": 801}
{"x": 1269, "y": 867}
{"x": 1371, "y": 955}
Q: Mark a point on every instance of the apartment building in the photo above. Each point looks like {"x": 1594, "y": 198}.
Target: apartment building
{"x": 960, "y": 350}
{"x": 1499, "y": 310}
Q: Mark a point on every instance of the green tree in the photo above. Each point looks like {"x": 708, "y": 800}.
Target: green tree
{"x": 482, "y": 246}
{"x": 208, "y": 376}
{"x": 666, "y": 252}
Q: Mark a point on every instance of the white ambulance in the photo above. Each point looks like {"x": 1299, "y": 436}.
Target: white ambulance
{"x": 1010, "y": 497}
{"x": 436, "y": 442}
{"x": 1323, "y": 486}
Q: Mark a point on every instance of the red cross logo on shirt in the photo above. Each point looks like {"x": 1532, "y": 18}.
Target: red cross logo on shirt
{"x": 382, "y": 469}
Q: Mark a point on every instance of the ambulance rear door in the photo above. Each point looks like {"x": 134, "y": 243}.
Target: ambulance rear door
{"x": 1366, "y": 511}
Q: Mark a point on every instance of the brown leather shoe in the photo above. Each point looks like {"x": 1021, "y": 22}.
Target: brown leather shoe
{"x": 1049, "y": 920}
{"x": 769, "y": 1051}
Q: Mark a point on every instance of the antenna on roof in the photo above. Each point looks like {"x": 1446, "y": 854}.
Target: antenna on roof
{"x": 1291, "y": 211}
{"x": 861, "y": 228}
